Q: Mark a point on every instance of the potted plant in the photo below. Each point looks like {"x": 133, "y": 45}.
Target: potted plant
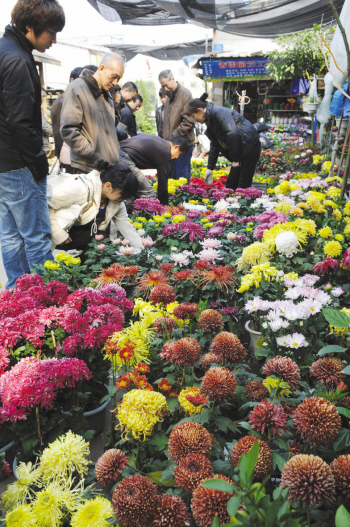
{"x": 310, "y": 103}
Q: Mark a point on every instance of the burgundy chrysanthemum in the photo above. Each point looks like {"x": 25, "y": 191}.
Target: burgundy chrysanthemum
{"x": 210, "y": 320}
{"x": 295, "y": 448}
{"x": 186, "y": 351}
{"x": 317, "y": 420}
{"x": 170, "y": 511}
{"x": 189, "y": 438}
{"x": 164, "y": 325}
{"x": 284, "y": 368}
{"x": 328, "y": 371}
{"x": 340, "y": 468}
{"x": 263, "y": 465}
{"x": 134, "y": 501}
{"x": 219, "y": 384}
{"x": 186, "y": 310}
{"x": 207, "y": 360}
{"x": 227, "y": 346}
{"x": 109, "y": 466}
{"x": 192, "y": 469}
{"x": 162, "y": 294}
{"x": 206, "y": 504}
{"x": 255, "y": 391}
{"x": 168, "y": 351}
{"x": 268, "y": 416}
{"x": 309, "y": 479}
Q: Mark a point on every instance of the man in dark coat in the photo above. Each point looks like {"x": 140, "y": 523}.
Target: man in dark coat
{"x": 25, "y": 230}
{"x": 160, "y": 112}
{"x": 127, "y": 114}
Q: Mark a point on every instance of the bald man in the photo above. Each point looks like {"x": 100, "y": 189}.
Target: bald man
{"x": 88, "y": 118}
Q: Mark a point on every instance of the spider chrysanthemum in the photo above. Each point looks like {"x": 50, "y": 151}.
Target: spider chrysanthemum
{"x": 170, "y": 511}
{"x": 67, "y": 454}
{"x": 206, "y": 504}
{"x": 340, "y": 468}
{"x": 285, "y": 368}
{"x": 228, "y": 347}
{"x": 219, "y": 384}
{"x": 309, "y": 479}
{"x": 210, "y": 320}
{"x": 328, "y": 371}
{"x": 264, "y": 463}
{"x": 317, "y": 420}
{"x": 255, "y": 391}
{"x": 191, "y": 470}
{"x": 92, "y": 513}
{"x": 134, "y": 501}
{"x": 109, "y": 466}
{"x": 189, "y": 437}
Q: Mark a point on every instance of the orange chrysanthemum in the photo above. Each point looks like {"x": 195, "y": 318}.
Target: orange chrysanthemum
{"x": 192, "y": 470}
{"x": 221, "y": 275}
{"x": 109, "y": 465}
{"x": 134, "y": 501}
{"x": 284, "y": 368}
{"x": 189, "y": 438}
{"x": 317, "y": 420}
{"x": 264, "y": 463}
{"x": 219, "y": 384}
{"x": 149, "y": 280}
{"x": 186, "y": 351}
{"x": 227, "y": 346}
{"x": 340, "y": 468}
{"x": 164, "y": 325}
{"x": 207, "y": 504}
{"x": 255, "y": 391}
{"x": 170, "y": 511}
{"x": 207, "y": 360}
{"x": 328, "y": 371}
{"x": 210, "y": 320}
{"x": 162, "y": 294}
{"x": 186, "y": 310}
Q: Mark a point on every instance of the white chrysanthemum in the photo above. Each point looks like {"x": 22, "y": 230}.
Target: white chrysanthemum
{"x": 193, "y": 206}
{"x": 222, "y": 205}
{"x": 210, "y": 255}
{"x": 211, "y": 243}
{"x": 180, "y": 259}
{"x": 287, "y": 243}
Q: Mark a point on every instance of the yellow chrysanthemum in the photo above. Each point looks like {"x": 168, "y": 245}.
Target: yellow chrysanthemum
{"x": 347, "y": 229}
{"x": 308, "y": 226}
{"x": 334, "y": 178}
{"x": 178, "y": 218}
{"x": 51, "y": 505}
{"x": 329, "y": 203}
{"x": 283, "y": 188}
{"x": 208, "y": 225}
{"x": 21, "y": 516}
{"x": 252, "y": 255}
{"x": 67, "y": 259}
{"x": 341, "y": 331}
{"x": 140, "y": 334}
{"x": 326, "y": 166}
{"x": 29, "y": 475}
{"x": 302, "y": 205}
{"x": 186, "y": 405}
{"x": 316, "y": 159}
{"x": 205, "y": 200}
{"x": 339, "y": 237}
{"x": 52, "y": 266}
{"x": 92, "y": 513}
{"x": 158, "y": 219}
{"x": 193, "y": 201}
{"x": 277, "y": 386}
{"x": 258, "y": 273}
{"x": 291, "y": 276}
{"x": 139, "y": 412}
{"x": 346, "y": 209}
{"x": 332, "y": 249}
{"x": 69, "y": 453}
{"x": 325, "y": 232}
{"x": 296, "y": 211}
{"x": 337, "y": 214}
{"x": 138, "y": 225}
{"x": 334, "y": 192}
{"x": 283, "y": 206}
{"x": 141, "y": 219}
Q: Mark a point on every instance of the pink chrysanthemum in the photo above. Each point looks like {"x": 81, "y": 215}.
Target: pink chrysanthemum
{"x": 268, "y": 416}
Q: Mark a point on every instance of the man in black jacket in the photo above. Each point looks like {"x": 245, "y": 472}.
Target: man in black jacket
{"x": 127, "y": 114}
{"x": 25, "y": 230}
{"x": 160, "y": 112}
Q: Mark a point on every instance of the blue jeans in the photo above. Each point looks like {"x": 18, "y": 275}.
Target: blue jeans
{"x": 25, "y": 230}
{"x": 182, "y": 167}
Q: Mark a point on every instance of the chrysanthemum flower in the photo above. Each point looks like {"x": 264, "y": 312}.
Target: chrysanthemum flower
{"x": 164, "y": 325}
{"x": 149, "y": 280}
{"x": 277, "y": 387}
{"x": 170, "y": 511}
{"x": 92, "y": 513}
{"x": 219, "y": 384}
{"x": 186, "y": 310}
{"x": 328, "y": 371}
{"x": 164, "y": 385}
{"x": 268, "y": 416}
{"x": 189, "y": 437}
{"x": 317, "y": 420}
{"x": 220, "y": 275}
{"x": 22, "y": 490}
{"x": 185, "y": 351}
{"x": 287, "y": 243}
{"x": 327, "y": 265}
{"x": 309, "y": 479}
{"x": 332, "y": 249}
{"x": 162, "y": 294}
{"x": 206, "y": 504}
{"x": 126, "y": 353}
{"x": 208, "y": 359}
{"x": 67, "y": 454}
{"x": 340, "y": 468}
{"x": 50, "y": 505}
{"x": 252, "y": 255}
{"x": 191, "y": 470}
{"x": 134, "y": 501}
{"x": 190, "y": 408}
{"x": 210, "y": 320}
{"x": 285, "y": 368}
{"x": 228, "y": 347}
{"x": 325, "y": 232}
{"x": 264, "y": 463}
{"x": 109, "y": 466}
{"x": 256, "y": 391}
{"x": 168, "y": 351}
{"x": 21, "y": 516}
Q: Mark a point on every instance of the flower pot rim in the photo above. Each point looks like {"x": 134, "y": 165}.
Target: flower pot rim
{"x": 7, "y": 447}
{"x": 248, "y": 328}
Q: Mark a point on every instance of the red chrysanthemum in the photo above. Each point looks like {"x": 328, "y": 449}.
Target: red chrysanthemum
{"x": 317, "y": 420}
{"x": 192, "y": 470}
{"x": 162, "y": 294}
{"x": 186, "y": 310}
{"x": 186, "y": 351}
{"x": 264, "y": 463}
{"x": 284, "y": 368}
{"x": 207, "y": 504}
{"x": 126, "y": 353}
{"x": 328, "y": 371}
{"x": 109, "y": 465}
{"x": 164, "y": 385}
{"x": 123, "y": 382}
{"x": 134, "y": 501}
{"x": 228, "y": 347}
{"x": 219, "y": 384}
{"x": 166, "y": 268}
{"x": 149, "y": 280}
{"x": 268, "y": 416}
{"x": 140, "y": 381}
{"x": 340, "y": 468}
{"x": 309, "y": 479}
{"x": 142, "y": 368}
{"x": 170, "y": 511}
{"x": 186, "y": 274}
{"x": 255, "y": 391}
{"x": 197, "y": 400}
{"x": 168, "y": 350}
{"x": 164, "y": 325}
{"x": 221, "y": 275}
{"x": 189, "y": 438}
{"x": 210, "y": 320}
{"x": 207, "y": 360}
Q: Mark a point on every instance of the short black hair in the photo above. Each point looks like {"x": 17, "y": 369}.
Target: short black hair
{"x": 74, "y": 74}
{"x": 162, "y": 92}
{"x": 131, "y": 86}
{"x": 181, "y": 142}
{"x": 120, "y": 177}
{"x": 40, "y": 15}
{"x": 90, "y": 67}
{"x": 137, "y": 97}
{"x": 115, "y": 89}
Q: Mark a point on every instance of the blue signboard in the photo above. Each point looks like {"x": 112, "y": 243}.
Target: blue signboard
{"x": 231, "y": 69}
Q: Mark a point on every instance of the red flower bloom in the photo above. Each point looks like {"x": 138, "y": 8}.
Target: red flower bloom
{"x": 186, "y": 351}
{"x": 317, "y": 420}
{"x": 327, "y": 265}
{"x": 123, "y": 382}
{"x": 182, "y": 275}
{"x": 227, "y": 346}
{"x": 186, "y": 310}
{"x": 285, "y": 368}
{"x": 109, "y": 466}
{"x": 268, "y": 416}
{"x": 346, "y": 261}
{"x": 162, "y": 295}
{"x": 219, "y": 384}
{"x": 140, "y": 381}
{"x": 126, "y": 353}
{"x": 192, "y": 469}
{"x": 164, "y": 385}
{"x": 142, "y": 368}
{"x": 197, "y": 399}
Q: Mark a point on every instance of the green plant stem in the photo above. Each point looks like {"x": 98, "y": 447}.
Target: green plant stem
{"x": 114, "y": 406}
{"x": 137, "y": 455}
{"x": 308, "y": 515}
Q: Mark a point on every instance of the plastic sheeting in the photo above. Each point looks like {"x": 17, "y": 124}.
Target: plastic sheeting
{"x": 264, "y": 18}
{"x": 170, "y": 52}
{"x": 340, "y": 103}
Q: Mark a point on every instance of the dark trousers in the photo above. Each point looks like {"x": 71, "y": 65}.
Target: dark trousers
{"x": 81, "y": 237}
{"x": 242, "y": 176}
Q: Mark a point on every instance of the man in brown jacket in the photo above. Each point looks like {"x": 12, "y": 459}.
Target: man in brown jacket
{"x": 177, "y": 122}
{"x": 88, "y": 118}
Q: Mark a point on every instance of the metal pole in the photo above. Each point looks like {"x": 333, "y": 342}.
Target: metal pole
{"x": 346, "y": 173}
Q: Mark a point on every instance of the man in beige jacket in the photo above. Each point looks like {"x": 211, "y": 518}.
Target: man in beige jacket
{"x": 176, "y": 121}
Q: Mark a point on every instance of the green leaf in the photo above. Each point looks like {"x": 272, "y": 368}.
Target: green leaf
{"x": 157, "y": 477}
{"x": 218, "y": 484}
{"x": 88, "y": 435}
{"x": 333, "y": 348}
{"x": 29, "y": 444}
{"x": 271, "y": 513}
{"x": 342, "y": 440}
{"x": 233, "y": 505}
{"x": 159, "y": 440}
{"x": 346, "y": 370}
{"x": 216, "y": 522}
{"x": 173, "y": 403}
{"x": 336, "y": 318}
{"x": 167, "y": 474}
{"x": 342, "y": 517}
{"x": 343, "y": 411}
{"x": 224, "y": 423}
{"x": 278, "y": 461}
{"x": 245, "y": 425}
{"x": 252, "y": 458}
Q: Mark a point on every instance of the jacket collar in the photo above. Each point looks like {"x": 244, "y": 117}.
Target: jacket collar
{"x": 210, "y": 107}
{"x": 90, "y": 80}
{"x": 15, "y": 34}
{"x": 173, "y": 94}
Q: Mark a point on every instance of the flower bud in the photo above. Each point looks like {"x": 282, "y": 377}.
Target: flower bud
{"x": 99, "y": 236}
{"x": 101, "y": 246}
